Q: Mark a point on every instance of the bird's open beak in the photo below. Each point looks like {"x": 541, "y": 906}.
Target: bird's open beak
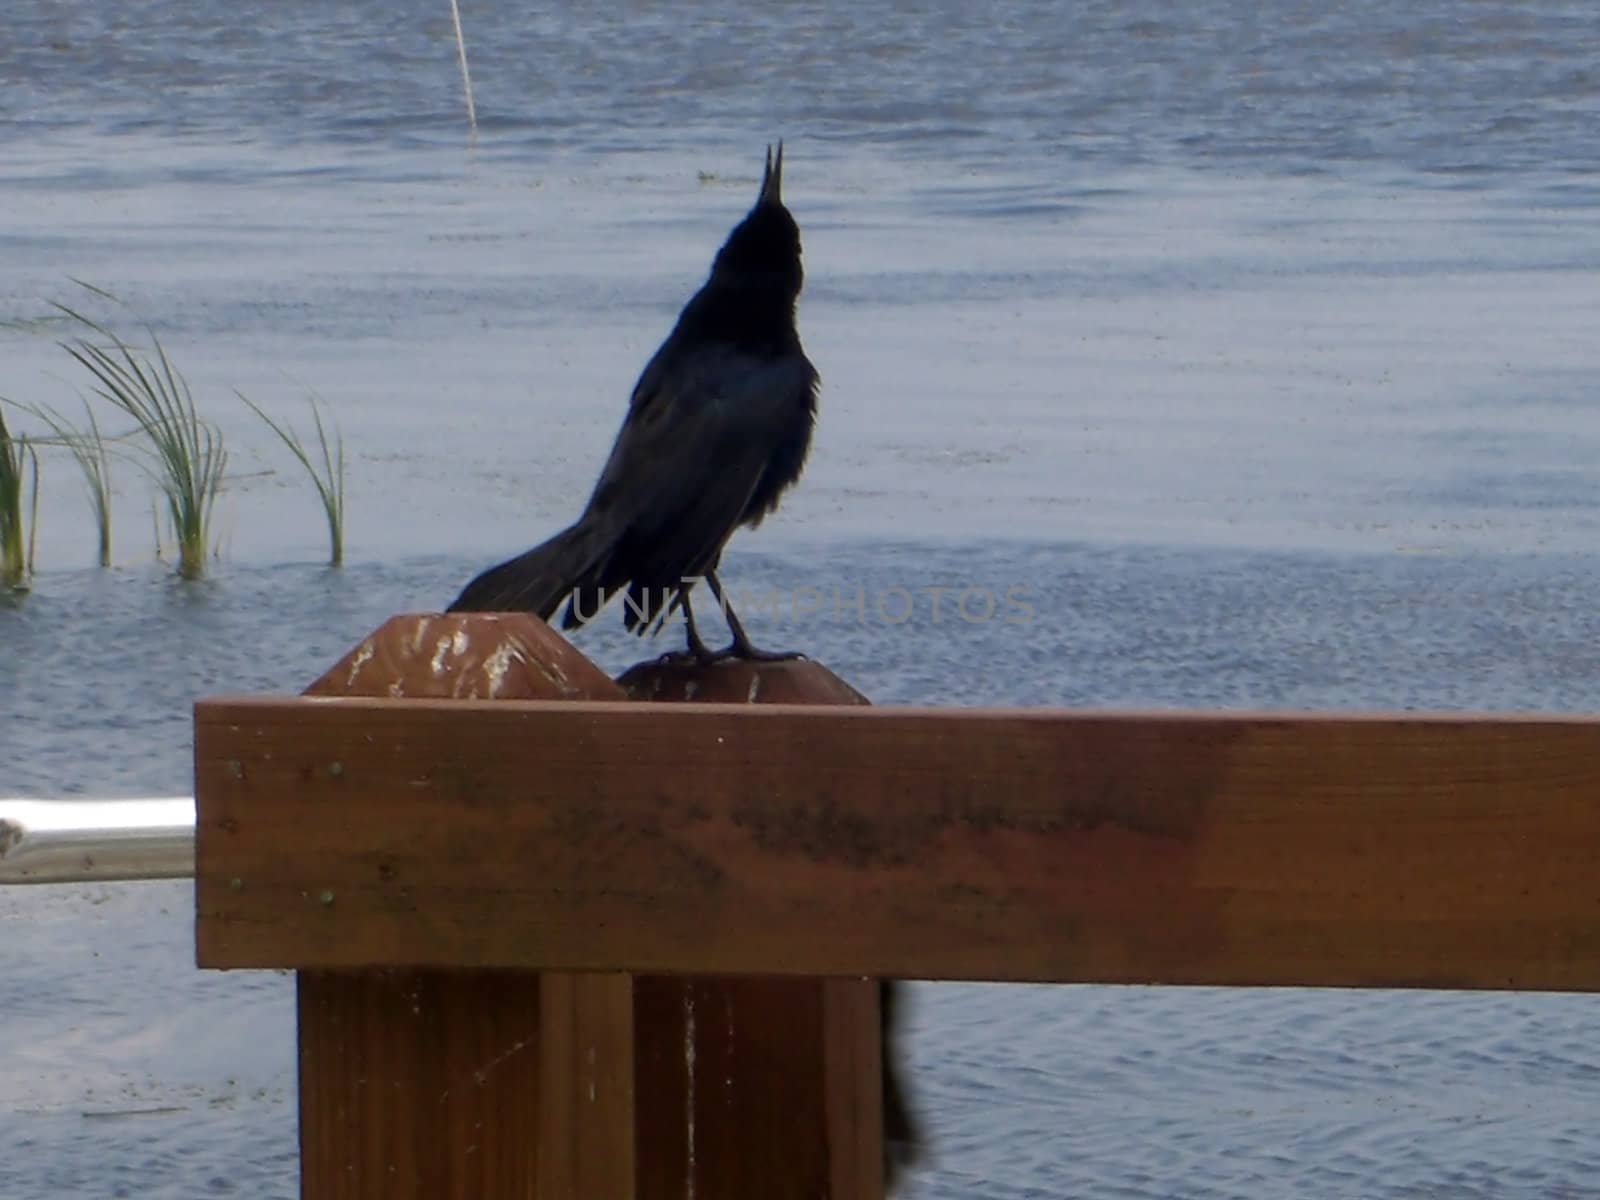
{"x": 772, "y": 180}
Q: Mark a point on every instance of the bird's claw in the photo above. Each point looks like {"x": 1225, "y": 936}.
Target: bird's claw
{"x": 705, "y": 657}
{"x": 679, "y": 658}
{"x": 741, "y": 650}
{"x": 750, "y": 654}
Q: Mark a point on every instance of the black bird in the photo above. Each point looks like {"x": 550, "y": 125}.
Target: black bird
{"x": 717, "y": 430}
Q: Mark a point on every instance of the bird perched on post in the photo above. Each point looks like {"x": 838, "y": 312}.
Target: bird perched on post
{"x": 717, "y": 430}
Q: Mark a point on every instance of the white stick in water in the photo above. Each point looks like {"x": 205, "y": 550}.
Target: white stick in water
{"x": 466, "y": 77}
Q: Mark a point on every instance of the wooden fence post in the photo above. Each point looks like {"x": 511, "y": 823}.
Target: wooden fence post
{"x": 455, "y": 1084}
{"x": 754, "y": 1087}
{"x": 429, "y": 858}
{"x": 744, "y": 1086}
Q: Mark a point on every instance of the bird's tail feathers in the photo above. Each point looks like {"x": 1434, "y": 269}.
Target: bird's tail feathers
{"x": 538, "y": 580}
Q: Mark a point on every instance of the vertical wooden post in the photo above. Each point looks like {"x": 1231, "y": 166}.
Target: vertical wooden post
{"x": 756, "y": 1087}
{"x": 466, "y": 1084}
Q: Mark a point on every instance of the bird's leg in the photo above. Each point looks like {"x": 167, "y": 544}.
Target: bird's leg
{"x": 696, "y": 648}
{"x": 703, "y": 654}
{"x": 742, "y": 646}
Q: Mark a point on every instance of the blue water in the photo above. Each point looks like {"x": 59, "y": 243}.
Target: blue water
{"x": 1478, "y": 90}
{"x": 1256, "y": 343}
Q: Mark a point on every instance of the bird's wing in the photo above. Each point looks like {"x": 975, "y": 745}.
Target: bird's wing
{"x": 698, "y": 436}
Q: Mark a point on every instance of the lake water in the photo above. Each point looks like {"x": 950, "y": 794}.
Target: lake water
{"x": 1257, "y": 342}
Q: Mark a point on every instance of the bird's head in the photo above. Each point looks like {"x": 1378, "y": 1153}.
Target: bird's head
{"x": 765, "y": 246}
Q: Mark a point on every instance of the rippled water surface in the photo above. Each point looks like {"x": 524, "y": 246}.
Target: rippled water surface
{"x": 1254, "y": 343}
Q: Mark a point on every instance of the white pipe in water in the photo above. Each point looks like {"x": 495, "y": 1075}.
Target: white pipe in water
{"x": 69, "y": 841}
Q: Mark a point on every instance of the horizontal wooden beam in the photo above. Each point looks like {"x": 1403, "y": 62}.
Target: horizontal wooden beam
{"x": 1450, "y": 852}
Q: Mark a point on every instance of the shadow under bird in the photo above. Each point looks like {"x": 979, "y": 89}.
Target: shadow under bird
{"x": 717, "y": 430}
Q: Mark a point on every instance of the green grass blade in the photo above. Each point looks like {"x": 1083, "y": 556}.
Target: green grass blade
{"x": 93, "y": 457}
{"x": 33, "y": 515}
{"x": 17, "y": 529}
{"x": 328, "y": 479}
{"x": 188, "y": 456}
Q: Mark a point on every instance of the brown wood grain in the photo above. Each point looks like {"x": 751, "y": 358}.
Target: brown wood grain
{"x": 853, "y": 1064}
{"x": 461, "y": 1082}
{"x": 755, "y": 1087}
{"x": 586, "y": 1089}
{"x": 415, "y": 1084}
{"x": 466, "y": 656}
{"x": 1021, "y": 845}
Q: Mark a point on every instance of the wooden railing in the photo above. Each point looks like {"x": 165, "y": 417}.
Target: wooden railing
{"x": 579, "y": 948}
